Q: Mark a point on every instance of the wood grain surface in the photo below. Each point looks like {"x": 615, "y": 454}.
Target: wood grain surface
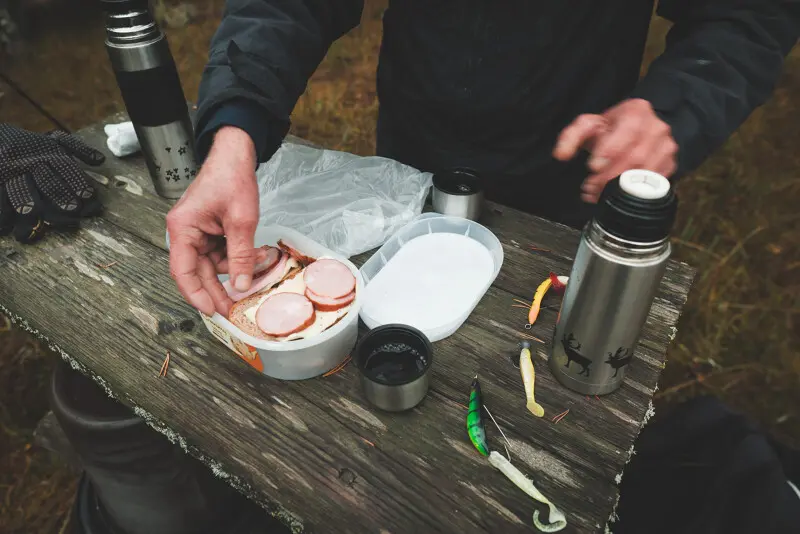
{"x": 314, "y": 452}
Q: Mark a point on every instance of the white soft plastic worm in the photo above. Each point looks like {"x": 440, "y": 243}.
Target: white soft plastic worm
{"x": 557, "y": 519}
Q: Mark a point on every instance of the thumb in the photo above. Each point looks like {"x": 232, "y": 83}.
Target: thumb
{"x": 240, "y": 229}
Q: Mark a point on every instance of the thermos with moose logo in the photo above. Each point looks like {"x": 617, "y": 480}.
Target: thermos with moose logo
{"x": 620, "y": 261}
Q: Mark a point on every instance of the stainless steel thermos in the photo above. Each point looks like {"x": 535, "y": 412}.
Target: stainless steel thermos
{"x": 152, "y": 92}
{"x": 619, "y": 263}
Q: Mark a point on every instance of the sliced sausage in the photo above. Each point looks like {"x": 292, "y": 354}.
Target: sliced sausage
{"x": 296, "y": 254}
{"x": 282, "y": 314}
{"x": 329, "y": 278}
{"x": 266, "y": 279}
{"x": 272, "y": 256}
{"x": 328, "y": 304}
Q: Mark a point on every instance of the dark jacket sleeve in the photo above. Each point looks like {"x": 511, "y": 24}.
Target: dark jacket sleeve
{"x": 261, "y": 58}
{"x": 722, "y": 60}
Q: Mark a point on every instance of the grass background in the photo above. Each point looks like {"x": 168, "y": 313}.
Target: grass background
{"x": 738, "y": 224}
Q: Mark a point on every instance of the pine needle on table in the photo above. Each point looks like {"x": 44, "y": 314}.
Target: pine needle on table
{"x": 164, "y": 366}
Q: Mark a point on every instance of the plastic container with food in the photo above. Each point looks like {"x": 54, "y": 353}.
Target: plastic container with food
{"x": 430, "y": 275}
{"x": 289, "y": 331}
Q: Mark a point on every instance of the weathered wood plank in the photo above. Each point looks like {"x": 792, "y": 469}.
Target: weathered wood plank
{"x": 294, "y": 443}
{"x": 522, "y": 271}
{"x": 516, "y": 260}
{"x": 574, "y": 462}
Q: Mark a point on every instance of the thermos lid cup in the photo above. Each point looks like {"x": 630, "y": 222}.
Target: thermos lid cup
{"x": 457, "y": 182}
{"x": 394, "y": 362}
{"x": 638, "y": 206}
{"x": 458, "y": 193}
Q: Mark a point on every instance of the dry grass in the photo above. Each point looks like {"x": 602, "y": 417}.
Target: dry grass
{"x": 738, "y": 224}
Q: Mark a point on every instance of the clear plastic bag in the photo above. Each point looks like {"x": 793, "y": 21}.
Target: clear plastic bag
{"x": 347, "y": 203}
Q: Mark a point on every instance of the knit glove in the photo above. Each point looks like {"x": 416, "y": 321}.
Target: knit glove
{"x": 41, "y": 182}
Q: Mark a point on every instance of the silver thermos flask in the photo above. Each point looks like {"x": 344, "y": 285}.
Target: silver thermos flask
{"x": 151, "y": 89}
{"x": 618, "y": 266}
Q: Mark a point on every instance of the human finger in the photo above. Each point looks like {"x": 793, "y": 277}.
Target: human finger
{"x": 577, "y": 134}
{"x": 614, "y": 146}
{"x": 650, "y": 153}
{"x": 240, "y": 228}
{"x": 184, "y": 264}
{"x": 221, "y": 260}
{"x": 208, "y": 277}
{"x": 664, "y": 157}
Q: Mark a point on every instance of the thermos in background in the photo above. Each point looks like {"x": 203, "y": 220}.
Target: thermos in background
{"x": 150, "y": 86}
{"x": 619, "y": 264}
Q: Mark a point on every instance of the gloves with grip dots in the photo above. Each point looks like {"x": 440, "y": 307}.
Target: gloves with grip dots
{"x": 41, "y": 183}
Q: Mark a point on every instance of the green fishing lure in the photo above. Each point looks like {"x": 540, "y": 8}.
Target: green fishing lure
{"x": 477, "y": 435}
{"x": 475, "y": 428}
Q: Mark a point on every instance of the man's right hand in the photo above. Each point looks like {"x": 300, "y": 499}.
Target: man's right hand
{"x": 211, "y": 228}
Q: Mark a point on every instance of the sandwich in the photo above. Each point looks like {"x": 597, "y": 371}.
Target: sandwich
{"x": 293, "y": 296}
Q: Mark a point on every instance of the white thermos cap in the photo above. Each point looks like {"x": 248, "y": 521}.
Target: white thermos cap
{"x": 647, "y": 185}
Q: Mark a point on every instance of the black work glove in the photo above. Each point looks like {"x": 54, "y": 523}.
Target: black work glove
{"x": 41, "y": 185}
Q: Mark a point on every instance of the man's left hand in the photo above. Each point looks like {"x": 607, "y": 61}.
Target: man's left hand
{"x": 628, "y": 136}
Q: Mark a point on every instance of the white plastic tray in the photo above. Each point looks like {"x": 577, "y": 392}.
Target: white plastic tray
{"x": 430, "y": 223}
{"x": 302, "y": 358}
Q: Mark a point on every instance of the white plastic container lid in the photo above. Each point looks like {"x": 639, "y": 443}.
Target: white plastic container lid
{"x": 430, "y": 275}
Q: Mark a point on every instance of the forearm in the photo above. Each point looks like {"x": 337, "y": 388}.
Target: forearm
{"x": 260, "y": 61}
{"x": 722, "y": 60}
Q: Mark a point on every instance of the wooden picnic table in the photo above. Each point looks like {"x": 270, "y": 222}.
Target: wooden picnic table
{"x": 314, "y": 452}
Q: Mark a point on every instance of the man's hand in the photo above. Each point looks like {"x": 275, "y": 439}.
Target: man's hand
{"x": 211, "y": 227}
{"x": 628, "y": 136}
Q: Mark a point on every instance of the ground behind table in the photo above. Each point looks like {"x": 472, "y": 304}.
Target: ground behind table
{"x": 315, "y": 451}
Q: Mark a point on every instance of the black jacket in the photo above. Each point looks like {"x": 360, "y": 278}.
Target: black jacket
{"x": 489, "y": 84}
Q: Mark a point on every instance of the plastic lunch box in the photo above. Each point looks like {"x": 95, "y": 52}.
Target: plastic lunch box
{"x": 303, "y": 358}
{"x": 432, "y": 223}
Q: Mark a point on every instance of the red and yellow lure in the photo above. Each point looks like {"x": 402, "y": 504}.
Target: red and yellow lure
{"x": 558, "y": 283}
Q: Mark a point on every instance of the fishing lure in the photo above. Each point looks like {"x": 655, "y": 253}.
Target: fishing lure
{"x": 528, "y": 379}
{"x": 557, "y": 518}
{"x": 477, "y": 434}
{"x": 475, "y": 428}
{"x": 558, "y": 283}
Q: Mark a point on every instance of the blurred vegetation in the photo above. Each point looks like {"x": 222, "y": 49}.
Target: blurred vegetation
{"x": 738, "y": 225}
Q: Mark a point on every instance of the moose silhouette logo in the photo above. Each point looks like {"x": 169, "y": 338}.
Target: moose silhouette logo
{"x": 619, "y": 359}
{"x": 571, "y": 348}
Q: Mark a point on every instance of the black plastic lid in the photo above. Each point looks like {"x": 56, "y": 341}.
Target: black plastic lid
{"x": 458, "y": 182}
{"x": 638, "y": 206}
